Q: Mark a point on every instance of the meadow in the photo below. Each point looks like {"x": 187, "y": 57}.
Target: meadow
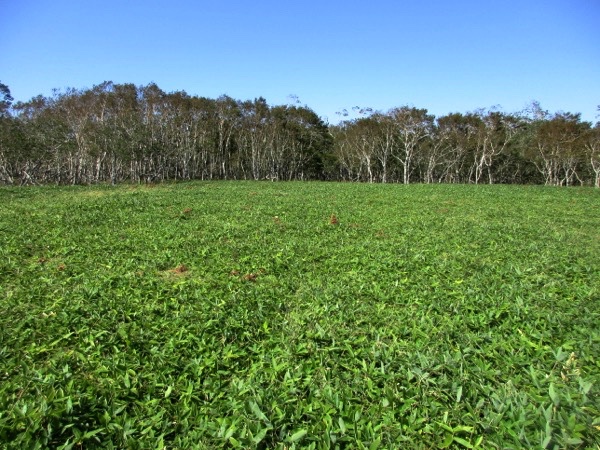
{"x": 299, "y": 315}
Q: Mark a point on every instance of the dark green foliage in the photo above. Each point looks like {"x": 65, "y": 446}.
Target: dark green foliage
{"x": 120, "y": 132}
{"x": 5, "y": 99}
{"x": 115, "y": 133}
{"x": 241, "y": 315}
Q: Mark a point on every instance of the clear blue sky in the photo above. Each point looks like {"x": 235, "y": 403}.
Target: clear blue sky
{"x": 445, "y": 56}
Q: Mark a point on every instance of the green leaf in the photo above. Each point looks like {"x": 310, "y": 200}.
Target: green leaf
{"x": 257, "y": 412}
{"x": 261, "y": 434}
{"x": 297, "y": 435}
{"x": 445, "y": 427}
{"x": 585, "y": 386}
{"x": 459, "y": 394}
{"x": 230, "y": 431}
{"x": 342, "y": 425}
{"x": 121, "y": 332}
{"x": 447, "y": 441}
{"x": 463, "y": 442}
{"x": 546, "y": 441}
{"x": 375, "y": 444}
{"x": 90, "y": 434}
{"x": 554, "y": 395}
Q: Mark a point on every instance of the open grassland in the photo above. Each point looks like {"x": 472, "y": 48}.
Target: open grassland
{"x": 299, "y": 315}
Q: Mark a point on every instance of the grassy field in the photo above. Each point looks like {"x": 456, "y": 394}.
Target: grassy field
{"x": 299, "y": 315}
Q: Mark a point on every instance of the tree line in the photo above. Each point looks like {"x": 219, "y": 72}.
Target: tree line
{"x": 115, "y": 133}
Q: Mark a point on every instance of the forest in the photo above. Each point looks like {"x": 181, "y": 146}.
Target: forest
{"x": 116, "y": 133}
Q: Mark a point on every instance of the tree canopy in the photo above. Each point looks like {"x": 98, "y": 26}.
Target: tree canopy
{"x": 122, "y": 132}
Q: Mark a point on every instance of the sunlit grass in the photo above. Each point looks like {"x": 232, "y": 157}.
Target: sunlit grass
{"x": 306, "y": 315}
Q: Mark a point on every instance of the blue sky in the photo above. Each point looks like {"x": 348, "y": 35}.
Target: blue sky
{"x": 445, "y": 56}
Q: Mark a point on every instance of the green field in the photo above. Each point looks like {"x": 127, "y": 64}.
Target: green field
{"x": 299, "y": 315}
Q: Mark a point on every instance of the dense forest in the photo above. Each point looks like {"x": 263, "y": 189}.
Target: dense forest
{"x": 121, "y": 132}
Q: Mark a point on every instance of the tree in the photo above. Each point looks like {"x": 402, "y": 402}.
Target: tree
{"x": 459, "y": 133}
{"x": 254, "y": 139}
{"x": 5, "y": 100}
{"x": 301, "y": 142}
{"x": 592, "y": 147}
{"x": 435, "y": 155}
{"x": 118, "y": 132}
{"x": 495, "y": 132}
{"x": 556, "y": 147}
{"x": 346, "y": 158}
{"x": 413, "y": 126}
{"x": 385, "y": 139}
